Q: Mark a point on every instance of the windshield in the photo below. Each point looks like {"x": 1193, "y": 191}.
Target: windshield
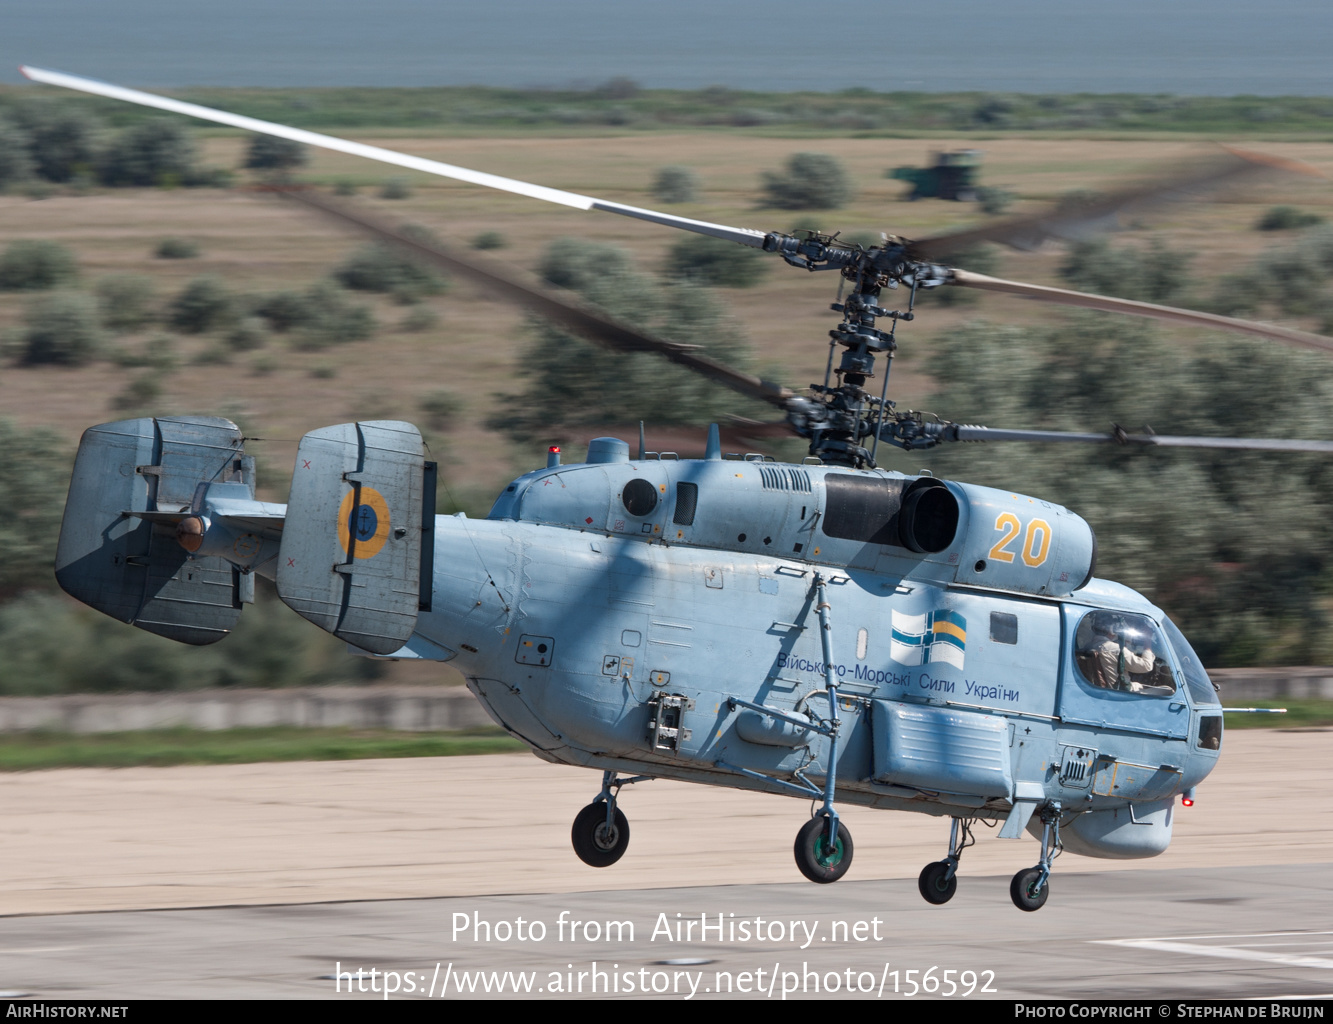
{"x": 1200, "y": 686}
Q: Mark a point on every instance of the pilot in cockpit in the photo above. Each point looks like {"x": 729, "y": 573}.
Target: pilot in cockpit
{"x": 1120, "y": 654}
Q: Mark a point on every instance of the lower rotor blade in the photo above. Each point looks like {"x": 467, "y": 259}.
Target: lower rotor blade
{"x": 581, "y": 320}
{"x": 965, "y": 432}
{"x": 1108, "y": 304}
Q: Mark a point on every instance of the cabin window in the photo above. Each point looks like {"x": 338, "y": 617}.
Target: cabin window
{"x": 1210, "y": 732}
{"x": 687, "y": 500}
{"x": 1004, "y": 628}
{"x": 1125, "y": 652}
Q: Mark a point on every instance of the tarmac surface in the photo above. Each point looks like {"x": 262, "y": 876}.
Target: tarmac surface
{"x": 267, "y": 880}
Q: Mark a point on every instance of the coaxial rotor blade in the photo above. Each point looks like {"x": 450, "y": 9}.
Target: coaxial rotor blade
{"x": 965, "y": 432}
{"x": 1078, "y": 218}
{"x": 1108, "y": 304}
{"x": 1075, "y": 219}
{"x": 744, "y": 236}
{"x": 579, "y": 319}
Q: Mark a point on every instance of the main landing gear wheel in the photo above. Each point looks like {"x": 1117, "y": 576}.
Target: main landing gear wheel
{"x": 937, "y": 883}
{"x": 817, "y": 860}
{"x": 1024, "y": 891}
{"x": 599, "y": 843}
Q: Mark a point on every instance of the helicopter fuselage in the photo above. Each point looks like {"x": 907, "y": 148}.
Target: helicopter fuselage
{"x": 640, "y": 616}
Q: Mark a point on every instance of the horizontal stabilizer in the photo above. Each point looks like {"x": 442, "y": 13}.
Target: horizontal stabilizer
{"x": 118, "y": 551}
{"x": 352, "y": 557}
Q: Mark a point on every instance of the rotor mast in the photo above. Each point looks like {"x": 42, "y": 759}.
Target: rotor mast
{"x": 840, "y": 417}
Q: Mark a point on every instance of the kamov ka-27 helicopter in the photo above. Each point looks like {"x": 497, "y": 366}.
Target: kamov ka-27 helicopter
{"x": 828, "y": 630}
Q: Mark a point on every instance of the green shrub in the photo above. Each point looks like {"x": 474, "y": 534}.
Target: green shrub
{"x": 333, "y": 320}
{"x": 176, "y": 249}
{"x": 61, "y": 142}
{"x": 420, "y": 318}
{"x": 63, "y": 329}
{"x": 125, "y": 301}
{"x": 712, "y": 261}
{"x": 29, "y": 266}
{"x": 441, "y": 409}
{"x": 578, "y": 264}
{"x": 15, "y": 164}
{"x": 489, "y": 240}
{"x": 34, "y": 478}
{"x": 203, "y": 305}
{"x": 383, "y": 268}
{"x": 676, "y": 184}
{"x": 396, "y": 188}
{"x": 284, "y": 310}
{"x": 140, "y": 393}
{"x": 1152, "y": 274}
{"x": 247, "y": 335}
{"x": 811, "y": 181}
{"x": 273, "y": 153}
{"x": 156, "y": 152}
{"x": 994, "y": 201}
{"x": 1286, "y": 218}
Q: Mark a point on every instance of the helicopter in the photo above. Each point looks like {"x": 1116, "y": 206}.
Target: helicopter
{"x": 827, "y": 630}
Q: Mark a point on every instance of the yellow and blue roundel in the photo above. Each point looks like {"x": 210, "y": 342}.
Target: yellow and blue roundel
{"x": 367, "y": 521}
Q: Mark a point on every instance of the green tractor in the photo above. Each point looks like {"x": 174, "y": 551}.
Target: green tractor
{"x": 952, "y": 176}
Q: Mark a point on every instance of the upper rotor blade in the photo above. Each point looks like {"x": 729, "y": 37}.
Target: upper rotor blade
{"x": 965, "y": 432}
{"x": 581, "y": 320}
{"x": 1078, "y": 218}
{"x": 745, "y": 236}
{"x": 1107, "y": 304}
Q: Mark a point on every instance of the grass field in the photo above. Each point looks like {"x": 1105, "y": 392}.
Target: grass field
{"x": 161, "y": 747}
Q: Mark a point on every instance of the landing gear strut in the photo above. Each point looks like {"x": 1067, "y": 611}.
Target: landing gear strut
{"x": 601, "y": 832}
{"x": 939, "y": 881}
{"x": 1031, "y": 886}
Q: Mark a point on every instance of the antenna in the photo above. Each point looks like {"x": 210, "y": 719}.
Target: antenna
{"x": 642, "y": 449}
{"x": 714, "y": 450}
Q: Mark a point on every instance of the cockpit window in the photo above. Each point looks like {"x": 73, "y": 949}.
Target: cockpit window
{"x": 1196, "y": 679}
{"x": 1125, "y": 652}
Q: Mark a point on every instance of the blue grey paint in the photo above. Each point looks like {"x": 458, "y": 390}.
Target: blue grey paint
{"x": 572, "y": 618}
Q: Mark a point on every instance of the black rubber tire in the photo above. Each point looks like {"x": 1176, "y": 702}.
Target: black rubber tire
{"x": 811, "y": 851}
{"x": 1020, "y": 890}
{"x": 934, "y": 889}
{"x": 597, "y": 845}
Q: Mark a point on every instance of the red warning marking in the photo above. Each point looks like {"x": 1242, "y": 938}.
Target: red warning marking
{"x": 291, "y": 563}
{"x": 305, "y": 463}
{"x": 588, "y": 520}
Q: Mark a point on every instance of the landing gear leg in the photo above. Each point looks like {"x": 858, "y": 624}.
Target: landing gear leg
{"x": 939, "y": 881}
{"x": 823, "y": 846}
{"x": 1031, "y": 886}
{"x": 601, "y": 832}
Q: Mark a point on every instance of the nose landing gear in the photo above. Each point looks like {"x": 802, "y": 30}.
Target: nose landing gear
{"x": 1031, "y": 886}
{"x": 939, "y": 881}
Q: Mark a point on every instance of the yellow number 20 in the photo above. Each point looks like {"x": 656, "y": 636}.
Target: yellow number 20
{"x": 1036, "y": 540}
